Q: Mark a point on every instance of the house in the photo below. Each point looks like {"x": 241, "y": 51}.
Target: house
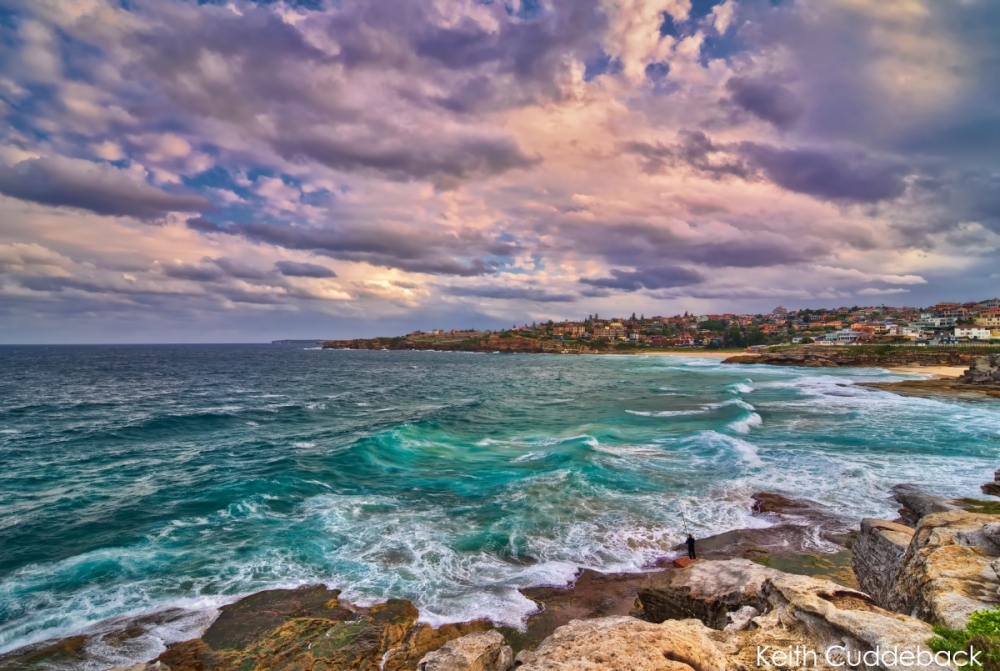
{"x": 845, "y": 336}
{"x": 991, "y": 303}
{"x": 612, "y": 331}
{"x": 972, "y": 332}
{"x": 569, "y": 330}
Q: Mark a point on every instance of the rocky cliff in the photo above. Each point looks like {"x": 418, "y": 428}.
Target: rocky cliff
{"x": 941, "y": 568}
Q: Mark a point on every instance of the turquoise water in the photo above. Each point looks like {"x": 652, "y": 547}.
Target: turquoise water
{"x": 137, "y": 478}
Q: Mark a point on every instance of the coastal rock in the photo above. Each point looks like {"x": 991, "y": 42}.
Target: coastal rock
{"x": 985, "y": 370}
{"x": 313, "y": 635}
{"x": 946, "y": 573}
{"x": 624, "y": 643}
{"x": 706, "y": 591}
{"x": 742, "y": 618}
{"x": 917, "y": 503}
{"x": 876, "y": 556}
{"x": 818, "y": 613}
{"x": 992, "y": 488}
{"x": 482, "y": 651}
{"x": 799, "y": 613}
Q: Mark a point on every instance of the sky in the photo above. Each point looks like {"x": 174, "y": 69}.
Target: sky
{"x": 179, "y": 171}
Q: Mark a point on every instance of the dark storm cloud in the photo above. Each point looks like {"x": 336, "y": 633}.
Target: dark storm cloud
{"x": 240, "y": 270}
{"x": 839, "y": 176}
{"x": 830, "y": 176}
{"x": 648, "y": 245}
{"x": 647, "y": 278}
{"x": 296, "y": 269}
{"x": 513, "y": 293}
{"x": 103, "y": 189}
{"x": 187, "y": 271}
{"x": 412, "y": 251}
{"x": 766, "y": 100}
{"x": 443, "y": 163}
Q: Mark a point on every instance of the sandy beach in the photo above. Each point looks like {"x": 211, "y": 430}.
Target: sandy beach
{"x": 713, "y": 354}
{"x": 936, "y": 372}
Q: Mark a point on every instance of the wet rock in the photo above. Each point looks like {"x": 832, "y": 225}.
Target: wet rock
{"x": 876, "y": 556}
{"x": 482, "y": 651}
{"x": 916, "y": 503}
{"x": 386, "y": 637}
{"x": 242, "y": 622}
{"x": 626, "y": 644}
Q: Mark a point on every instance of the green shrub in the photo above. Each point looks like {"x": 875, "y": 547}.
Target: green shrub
{"x": 982, "y": 632}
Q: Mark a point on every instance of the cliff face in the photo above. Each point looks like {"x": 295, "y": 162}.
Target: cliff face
{"x": 941, "y": 571}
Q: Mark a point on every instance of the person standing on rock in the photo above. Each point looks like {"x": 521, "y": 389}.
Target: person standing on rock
{"x": 690, "y": 544}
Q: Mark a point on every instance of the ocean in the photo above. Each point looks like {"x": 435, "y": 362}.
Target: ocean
{"x": 139, "y": 478}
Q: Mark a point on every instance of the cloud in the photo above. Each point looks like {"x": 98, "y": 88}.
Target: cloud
{"x": 512, "y": 293}
{"x": 830, "y": 175}
{"x": 103, "y": 189}
{"x": 881, "y": 292}
{"x": 834, "y": 176}
{"x": 296, "y": 269}
{"x": 766, "y": 100}
{"x": 444, "y": 163}
{"x": 651, "y": 278}
{"x": 412, "y": 251}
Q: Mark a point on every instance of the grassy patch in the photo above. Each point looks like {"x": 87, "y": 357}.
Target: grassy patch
{"x": 981, "y": 633}
{"x": 980, "y": 506}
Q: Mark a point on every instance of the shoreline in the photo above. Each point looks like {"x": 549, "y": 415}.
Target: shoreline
{"x": 259, "y": 628}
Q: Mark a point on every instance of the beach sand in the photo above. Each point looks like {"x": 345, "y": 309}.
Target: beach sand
{"x": 712, "y": 354}
{"x": 936, "y": 372}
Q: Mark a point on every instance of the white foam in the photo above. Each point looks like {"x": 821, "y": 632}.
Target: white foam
{"x": 664, "y": 413}
{"x": 744, "y": 425}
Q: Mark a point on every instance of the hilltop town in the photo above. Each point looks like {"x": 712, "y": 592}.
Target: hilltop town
{"x": 941, "y": 324}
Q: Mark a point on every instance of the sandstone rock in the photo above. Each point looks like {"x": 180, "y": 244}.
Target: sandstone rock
{"x": 386, "y": 637}
{"x": 482, "y": 651}
{"x": 916, "y": 503}
{"x": 741, "y": 619}
{"x": 797, "y": 611}
{"x": 821, "y": 612}
{"x": 626, "y": 644}
{"x": 946, "y": 572}
{"x": 876, "y": 556}
{"x": 707, "y": 591}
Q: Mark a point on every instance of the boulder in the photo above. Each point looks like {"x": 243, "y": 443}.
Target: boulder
{"x": 482, "y": 651}
{"x": 624, "y": 643}
{"x": 876, "y": 555}
{"x": 707, "y": 591}
{"x": 819, "y": 613}
{"x": 946, "y": 573}
{"x": 916, "y": 503}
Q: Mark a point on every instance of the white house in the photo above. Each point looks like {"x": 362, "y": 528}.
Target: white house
{"x": 972, "y": 332}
